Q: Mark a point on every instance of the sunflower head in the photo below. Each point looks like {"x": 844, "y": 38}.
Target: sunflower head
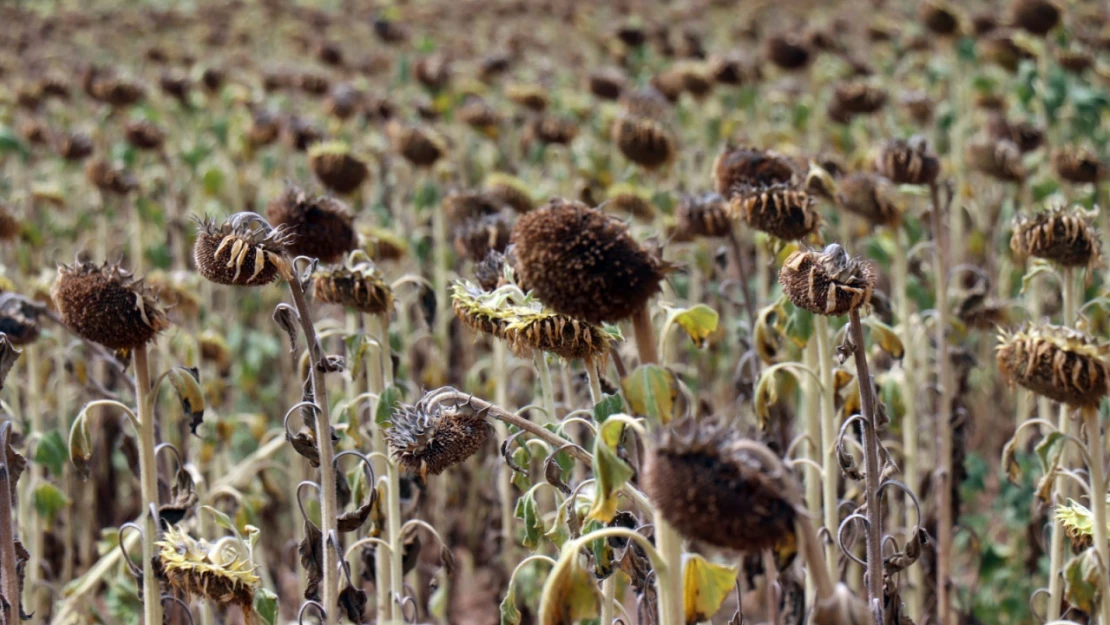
{"x": 999, "y": 159}
{"x": 547, "y": 129}
{"x": 476, "y": 238}
{"x": 222, "y": 572}
{"x": 105, "y": 304}
{"x": 509, "y": 191}
{"x": 429, "y": 439}
{"x": 712, "y": 485}
{"x": 318, "y": 226}
{"x": 357, "y": 285}
{"x": 583, "y": 263}
{"x": 787, "y": 52}
{"x": 939, "y": 17}
{"x": 144, "y": 135}
{"x": 704, "y": 215}
{"x": 1060, "y": 363}
{"x": 1066, "y": 236}
{"x": 745, "y": 167}
{"x": 109, "y": 178}
{"x": 908, "y": 162}
{"x": 780, "y": 210}
{"x": 75, "y": 146}
{"x": 644, "y": 141}
{"x": 336, "y": 168}
{"x": 1038, "y": 17}
{"x": 828, "y": 282}
{"x": 243, "y": 251}
{"x": 870, "y": 196}
{"x": 1075, "y": 164}
{"x": 607, "y": 83}
{"x": 419, "y": 146}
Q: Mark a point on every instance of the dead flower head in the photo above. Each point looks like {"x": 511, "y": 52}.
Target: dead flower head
{"x": 429, "y": 439}
{"x": 828, "y": 282}
{"x": 318, "y": 226}
{"x": 107, "y": 305}
{"x": 1066, "y": 236}
{"x": 243, "y": 251}
{"x": 222, "y": 572}
{"x": 1060, "y": 363}
{"x": 357, "y": 285}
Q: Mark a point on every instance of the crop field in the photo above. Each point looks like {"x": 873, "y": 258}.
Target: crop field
{"x": 554, "y": 312}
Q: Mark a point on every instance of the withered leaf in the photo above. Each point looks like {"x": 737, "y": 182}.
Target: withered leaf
{"x": 352, "y": 601}
{"x": 304, "y": 443}
{"x": 552, "y": 472}
{"x": 351, "y": 521}
{"x": 186, "y": 382}
{"x": 8, "y": 355}
{"x": 286, "y": 317}
{"x": 410, "y": 554}
{"x": 312, "y": 559}
{"x": 183, "y": 496}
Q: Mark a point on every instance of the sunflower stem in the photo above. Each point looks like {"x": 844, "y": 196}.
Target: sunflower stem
{"x": 1098, "y": 504}
{"x": 872, "y": 468}
{"x": 38, "y": 529}
{"x": 645, "y": 335}
{"x": 668, "y": 581}
{"x": 546, "y": 387}
{"x": 328, "y": 504}
{"x": 942, "y": 485}
{"x": 740, "y": 274}
{"x": 813, "y": 431}
{"x": 148, "y": 473}
{"x": 828, "y": 438}
{"x": 375, "y": 383}
{"x": 504, "y": 479}
{"x": 9, "y": 576}
{"x": 1061, "y": 488}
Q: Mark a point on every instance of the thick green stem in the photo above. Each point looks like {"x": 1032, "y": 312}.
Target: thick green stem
{"x": 328, "y": 505}
{"x": 828, "y": 439}
{"x": 148, "y": 474}
{"x": 1061, "y": 488}
{"x": 1098, "y": 502}
{"x": 943, "y": 486}
{"x": 871, "y": 469}
{"x": 645, "y": 335}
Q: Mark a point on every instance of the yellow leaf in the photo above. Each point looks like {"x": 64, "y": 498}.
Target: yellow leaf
{"x": 699, "y": 322}
{"x": 886, "y": 337}
{"x": 651, "y": 391}
{"x": 704, "y": 587}
{"x": 569, "y": 594}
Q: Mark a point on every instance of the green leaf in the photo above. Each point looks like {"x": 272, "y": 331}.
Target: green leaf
{"x": 528, "y": 511}
{"x": 223, "y": 521}
{"x": 559, "y": 533}
{"x": 569, "y": 595}
{"x": 886, "y": 337}
{"x": 799, "y": 325}
{"x": 1081, "y": 581}
{"x": 10, "y": 142}
{"x": 699, "y": 322}
{"x": 509, "y": 614}
{"x": 388, "y": 399}
{"x": 704, "y": 587}
{"x": 611, "y": 405}
{"x": 51, "y": 451}
{"x": 266, "y": 606}
{"x": 49, "y": 501}
{"x": 357, "y": 347}
{"x": 651, "y": 390}
{"x": 212, "y": 181}
{"x": 1049, "y": 449}
{"x": 610, "y": 472}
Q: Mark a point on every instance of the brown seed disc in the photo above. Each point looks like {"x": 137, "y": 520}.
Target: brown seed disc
{"x": 778, "y": 210}
{"x": 1060, "y": 363}
{"x": 827, "y": 282}
{"x": 106, "y": 305}
{"x": 908, "y": 162}
{"x": 238, "y": 256}
{"x": 360, "y": 287}
{"x": 870, "y": 196}
{"x": 703, "y": 216}
{"x": 643, "y": 141}
{"x": 431, "y": 440}
{"x": 318, "y": 226}
{"x": 1061, "y": 235}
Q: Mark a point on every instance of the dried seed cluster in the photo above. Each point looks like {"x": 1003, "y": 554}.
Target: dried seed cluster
{"x": 1000, "y": 159}
{"x": 476, "y": 238}
{"x": 1057, "y": 362}
{"x": 107, "y": 305}
{"x": 779, "y": 210}
{"x": 1077, "y": 165}
{"x": 509, "y": 191}
{"x": 419, "y": 146}
{"x": 583, "y": 263}
{"x": 359, "y": 286}
{"x": 243, "y": 251}
{"x": 1066, "y": 236}
{"x": 908, "y": 162}
{"x": 429, "y": 440}
{"x": 221, "y": 572}
{"x": 828, "y": 282}
{"x": 336, "y": 168}
{"x": 703, "y": 215}
{"x": 870, "y": 196}
{"x": 714, "y": 486}
{"x": 644, "y": 141}
{"x": 318, "y": 226}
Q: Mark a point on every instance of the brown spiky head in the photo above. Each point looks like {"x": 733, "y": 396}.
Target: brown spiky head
{"x": 607, "y": 83}
{"x": 703, "y": 215}
{"x": 1066, "y": 236}
{"x": 870, "y": 196}
{"x": 630, "y": 200}
{"x": 509, "y": 191}
{"x": 144, "y": 135}
{"x": 1025, "y": 135}
{"x": 919, "y": 106}
{"x": 550, "y": 129}
{"x": 109, "y": 178}
{"x": 745, "y": 167}
{"x": 175, "y": 84}
{"x": 1075, "y": 61}
{"x": 1076, "y": 164}
{"x": 780, "y": 210}
{"x": 908, "y": 162}
{"x": 105, "y": 304}
{"x": 33, "y": 131}
{"x": 357, "y": 285}
{"x": 828, "y": 282}
{"x": 490, "y": 271}
{"x": 336, "y": 168}
{"x": 475, "y": 238}
{"x": 1060, "y": 363}
{"x": 461, "y": 206}
{"x": 418, "y": 146}
{"x": 1001, "y": 48}
{"x": 318, "y": 226}
{"x": 19, "y": 319}
{"x": 433, "y": 71}
{"x": 999, "y": 159}
{"x": 648, "y": 102}
{"x": 531, "y": 96}
{"x": 478, "y": 114}
{"x": 243, "y": 251}
{"x": 644, "y": 141}
{"x": 481, "y": 314}
{"x": 583, "y": 263}
{"x": 855, "y": 98}
{"x": 787, "y": 52}
{"x": 75, "y": 146}
{"x": 1038, "y": 17}
{"x": 938, "y": 17}
{"x": 382, "y": 245}
{"x": 222, "y": 572}
{"x": 344, "y": 101}
{"x": 313, "y": 83}
{"x": 303, "y": 133}
{"x": 714, "y": 486}
{"x": 264, "y": 129}
{"x": 429, "y": 439}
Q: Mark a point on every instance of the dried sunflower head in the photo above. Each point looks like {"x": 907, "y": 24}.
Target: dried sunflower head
{"x": 746, "y": 167}
{"x": 110, "y": 179}
{"x": 221, "y": 572}
{"x": 357, "y": 285}
{"x": 779, "y": 210}
{"x": 704, "y": 215}
{"x": 644, "y": 141}
{"x": 75, "y": 146}
{"x": 530, "y": 96}
{"x": 629, "y": 200}
{"x": 908, "y": 162}
{"x": 939, "y": 17}
{"x": 336, "y": 168}
{"x": 429, "y": 439}
{"x": 509, "y": 191}
{"x": 478, "y": 114}
{"x": 9, "y": 225}
{"x": 1076, "y": 164}
{"x": 787, "y": 52}
{"x": 1066, "y": 236}
{"x": 19, "y": 319}
{"x": 712, "y": 485}
{"x": 828, "y": 282}
{"x": 607, "y": 83}
{"x": 1060, "y": 363}
{"x": 318, "y": 226}
{"x": 475, "y": 238}
{"x": 583, "y": 263}
{"x": 1038, "y": 17}
{"x": 243, "y": 251}
{"x": 107, "y": 305}
{"x": 484, "y": 315}
{"x": 382, "y": 245}
{"x": 144, "y": 135}
{"x": 264, "y": 129}
{"x": 463, "y": 206}
{"x": 1025, "y": 135}
{"x": 999, "y": 159}
{"x": 549, "y": 129}
{"x": 855, "y": 98}
{"x": 870, "y": 196}
{"x": 420, "y": 146}
{"x": 490, "y": 271}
